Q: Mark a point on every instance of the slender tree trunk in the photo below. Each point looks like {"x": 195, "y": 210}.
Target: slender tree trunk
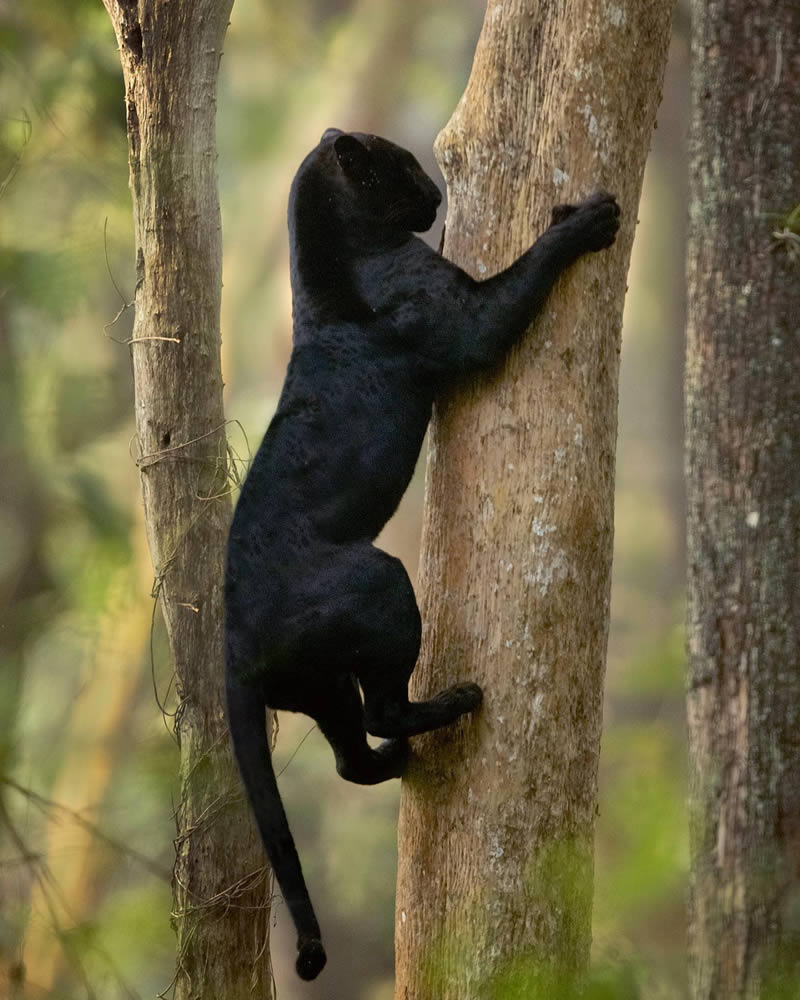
{"x": 497, "y": 818}
{"x": 743, "y": 481}
{"x": 170, "y": 56}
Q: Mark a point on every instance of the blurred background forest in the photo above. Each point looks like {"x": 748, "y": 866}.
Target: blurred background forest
{"x": 87, "y": 759}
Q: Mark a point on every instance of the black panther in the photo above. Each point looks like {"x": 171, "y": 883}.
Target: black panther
{"x": 319, "y": 620}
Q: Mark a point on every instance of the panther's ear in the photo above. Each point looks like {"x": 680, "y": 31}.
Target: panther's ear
{"x": 353, "y": 157}
{"x": 329, "y": 133}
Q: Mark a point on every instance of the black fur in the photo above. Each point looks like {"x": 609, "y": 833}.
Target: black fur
{"x": 316, "y": 616}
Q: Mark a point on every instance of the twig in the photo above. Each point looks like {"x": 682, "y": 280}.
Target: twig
{"x": 161, "y": 704}
{"x": 157, "y": 455}
{"x": 44, "y": 804}
{"x": 789, "y": 240}
{"x": 12, "y": 173}
{"x": 48, "y": 887}
{"x": 126, "y": 305}
{"x": 296, "y": 750}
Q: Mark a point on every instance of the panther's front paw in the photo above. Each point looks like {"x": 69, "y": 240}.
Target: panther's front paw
{"x": 598, "y": 218}
{"x": 561, "y": 212}
{"x": 467, "y": 696}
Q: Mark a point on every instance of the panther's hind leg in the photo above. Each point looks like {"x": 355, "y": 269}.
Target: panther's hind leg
{"x": 390, "y": 713}
{"x": 340, "y": 717}
{"x": 389, "y": 635}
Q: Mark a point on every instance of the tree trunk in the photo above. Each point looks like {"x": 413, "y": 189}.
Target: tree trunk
{"x": 497, "y": 817}
{"x": 743, "y": 481}
{"x": 170, "y": 56}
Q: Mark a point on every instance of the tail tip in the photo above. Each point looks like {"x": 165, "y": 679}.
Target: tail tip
{"x": 311, "y": 958}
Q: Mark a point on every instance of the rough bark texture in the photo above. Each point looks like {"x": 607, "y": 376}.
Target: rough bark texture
{"x": 743, "y": 469}
{"x": 497, "y": 818}
{"x": 170, "y": 58}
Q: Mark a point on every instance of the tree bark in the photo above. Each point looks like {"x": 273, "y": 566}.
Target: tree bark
{"x": 497, "y": 816}
{"x": 170, "y": 55}
{"x": 743, "y": 484}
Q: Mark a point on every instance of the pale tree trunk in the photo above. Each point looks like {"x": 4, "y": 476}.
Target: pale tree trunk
{"x": 497, "y": 817}
{"x": 743, "y": 484}
{"x": 170, "y": 56}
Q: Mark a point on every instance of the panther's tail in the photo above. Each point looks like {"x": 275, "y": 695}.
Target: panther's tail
{"x": 248, "y": 729}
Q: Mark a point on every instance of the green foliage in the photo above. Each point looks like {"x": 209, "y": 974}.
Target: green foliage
{"x": 133, "y": 922}
{"x": 644, "y": 778}
{"x": 659, "y": 671}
